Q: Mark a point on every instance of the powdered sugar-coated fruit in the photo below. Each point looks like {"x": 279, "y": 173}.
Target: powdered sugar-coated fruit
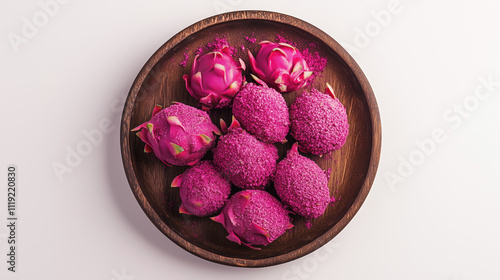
{"x": 319, "y": 122}
{"x": 302, "y": 185}
{"x": 253, "y": 218}
{"x": 244, "y": 160}
{"x": 215, "y": 78}
{"x": 178, "y": 135}
{"x": 203, "y": 190}
{"x": 263, "y": 112}
{"x": 280, "y": 66}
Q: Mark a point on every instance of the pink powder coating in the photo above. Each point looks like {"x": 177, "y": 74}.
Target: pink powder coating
{"x": 302, "y": 185}
{"x": 263, "y": 112}
{"x": 319, "y": 122}
{"x": 245, "y": 161}
{"x": 178, "y": 135}
{"x": 203, "y": 190}
{"x": 254, "y": 217}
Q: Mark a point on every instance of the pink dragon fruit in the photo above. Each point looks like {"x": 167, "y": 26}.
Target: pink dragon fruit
{"x": 178, "y": 135}
{"x": 254, "y": 217}
{"x": 244, "y": 160}
{"x": 215, "y": 78}
{"x": 302, "y": 185}
{"x": 319, "y": 121}
{"x": 280, "y": 66}
{"x": 252, "y": 107}
{"x": 203, "y": 190}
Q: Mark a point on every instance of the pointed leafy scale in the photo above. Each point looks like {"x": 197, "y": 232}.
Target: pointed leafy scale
{"x": 297, "y": 67}
{"x": 177, "y": 149}
{"x": 220, "y": 70}
{"x": 234, "y": 123}
{"x": 176, "y": 182}
{"x": 242, "y": 64}
{"x": 217, "y": 131}
{"x": 234, "y": 238}
{"x": 147, "y": 148}
{"x": 219, "y": 218}
{"x": 279, "y": 51}
{"x": 204, "y": 138}
{"x": 184, "y": 210}
{"x": 282, "y": 87}
{"x": 329, "y": 90}
{"x": 223, "y": 126}
{"x": 156, "y": 109}
{"x": 233, "y": 88}
{"x": 258, "y": 81}
{"x": 174, "y": 120}
{"x": 150, "y": 128}
{"x": 295, "y": 149}
{"x": 260, "y": 230}
{"x": 287, "y": 46}
{"x": 307, "y": 74}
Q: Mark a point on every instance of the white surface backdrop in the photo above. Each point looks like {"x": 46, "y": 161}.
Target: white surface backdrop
{"x": 433, "y": 211}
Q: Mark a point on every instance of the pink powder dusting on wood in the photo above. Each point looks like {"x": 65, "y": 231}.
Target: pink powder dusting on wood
{"x": 332, "y": 200}
{"x": 251, "y": 40}
{"x": 328, "y": 156}
{"x": 328, "y": 172}
{"x": 217, "y": 43}
{"x": 308, "y": 223}
{"x": 169, "y": 203}
{"x": 184, "y": 62}
{"x": 314, "y": 60}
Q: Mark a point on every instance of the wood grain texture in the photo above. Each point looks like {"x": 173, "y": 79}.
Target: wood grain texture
{"x": 353, "y": 167}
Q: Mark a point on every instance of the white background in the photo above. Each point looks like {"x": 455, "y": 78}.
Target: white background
{"x": 428, "y": 216}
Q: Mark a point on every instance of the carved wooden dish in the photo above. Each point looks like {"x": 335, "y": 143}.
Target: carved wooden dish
{"x": 160, "y": 82}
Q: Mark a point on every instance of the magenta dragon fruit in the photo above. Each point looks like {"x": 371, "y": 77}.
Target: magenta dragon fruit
{"x": 203, "y": 190}
{"x": 280, "y": 66}
{"x": 302, "y": 185}
{"x": 263, "y": 112}
{"x": 254, "y": 217}
{"x": 319, "y": 121}
{"x": 244, "y": 160}
{"x": 215, "y": 78}
{"x": 178, "y": 135}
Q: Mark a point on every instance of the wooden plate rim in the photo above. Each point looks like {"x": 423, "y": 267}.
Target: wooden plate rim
{"x": 251, "y": 15}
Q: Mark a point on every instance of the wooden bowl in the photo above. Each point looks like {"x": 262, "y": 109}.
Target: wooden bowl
{"x": 160, "y": 82}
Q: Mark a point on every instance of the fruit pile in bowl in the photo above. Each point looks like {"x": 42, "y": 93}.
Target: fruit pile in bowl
{"x": 243, "y": 185}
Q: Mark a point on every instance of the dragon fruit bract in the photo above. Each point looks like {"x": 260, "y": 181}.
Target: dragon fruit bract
{"x": 178, "y": 135}
{"x": 280, "y": 66}
{"x": 203, "y": 190}
{"x": 215, "y": 78}
{"x": 254, "y": 217}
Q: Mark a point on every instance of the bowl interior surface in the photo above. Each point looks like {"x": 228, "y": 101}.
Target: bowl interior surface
{"x": 150, "y": 179}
